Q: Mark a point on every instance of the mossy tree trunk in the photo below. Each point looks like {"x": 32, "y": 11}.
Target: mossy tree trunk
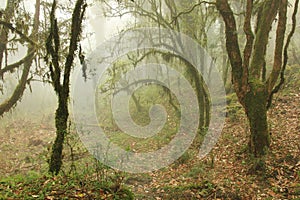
{"x": 253, "y": 88}
{"x": 202, "y": 97}
{"x": 203, "y": 102}
{"x": 61, "y": 124}
{"x": 61, "y": 76}
{"x": 256, "y": 110}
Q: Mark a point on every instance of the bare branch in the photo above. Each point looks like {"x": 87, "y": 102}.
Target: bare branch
{"x": 13, "y": 29}
{"x": 17, "y": 64}
{"x": 190, "y": 10}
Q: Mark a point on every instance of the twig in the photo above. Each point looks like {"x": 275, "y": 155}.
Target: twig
{"x": 190, "y": 10}
{"x": 13, "y": 29}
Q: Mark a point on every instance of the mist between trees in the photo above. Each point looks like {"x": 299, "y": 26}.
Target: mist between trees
{"x": 46, "y": 42}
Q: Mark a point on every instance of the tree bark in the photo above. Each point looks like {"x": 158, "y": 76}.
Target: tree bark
{"x": 61, "y": 124}
{"x": 256, "y": 111}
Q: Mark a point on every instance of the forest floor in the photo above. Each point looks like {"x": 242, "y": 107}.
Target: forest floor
{"x": 226, "y": 173}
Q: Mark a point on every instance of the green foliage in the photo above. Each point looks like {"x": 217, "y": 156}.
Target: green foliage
{"x": 202, "y": 189}
{"x": 292, "y": 75}
{"x": 78, "y": 185}
{"x": 147, "y": 96}
{"x": 196, "y": 170}
{"x": 234, "y": 108}
{"x": 81, "y": 177}
{"x": 184, "y": 158}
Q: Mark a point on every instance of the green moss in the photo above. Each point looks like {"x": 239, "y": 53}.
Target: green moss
{"x": 255, "y": 103}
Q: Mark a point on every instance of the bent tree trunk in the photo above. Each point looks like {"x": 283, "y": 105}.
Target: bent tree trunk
{"x": 256, "y": 111}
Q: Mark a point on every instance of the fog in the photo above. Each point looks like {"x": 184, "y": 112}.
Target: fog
{"x": 39, "y": 101}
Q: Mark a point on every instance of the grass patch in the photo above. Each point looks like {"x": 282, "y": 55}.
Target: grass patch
{"x": 146, "y": 97}
{"x": 81, "y": 186}
{"x": 201, "y": 190}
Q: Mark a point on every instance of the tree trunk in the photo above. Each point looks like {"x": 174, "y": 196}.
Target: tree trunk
{"x": 201, "y": 96}
{"x": 256, "y": 110}
{"x": 252, "y": 92}
{"x": 61, "y": 124}
{"x": 62, "y": 89}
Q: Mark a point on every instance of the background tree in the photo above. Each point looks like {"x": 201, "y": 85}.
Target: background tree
{"x": 11, "y": 37}
{"x": 61, "y": 76}
{"x": 196, "y": 21}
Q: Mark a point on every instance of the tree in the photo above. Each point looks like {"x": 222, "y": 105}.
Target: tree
{"x": 194, "y": 22}
{"x": 253, "y": 88}
{"x": 21, "y": 37}
{"x": 61, "y": 75}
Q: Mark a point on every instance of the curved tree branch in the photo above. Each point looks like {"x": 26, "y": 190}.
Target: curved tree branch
{"x": 190, "y": 10}
{"x": 13, "y": 66}
{"x": 13, "y": 29}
